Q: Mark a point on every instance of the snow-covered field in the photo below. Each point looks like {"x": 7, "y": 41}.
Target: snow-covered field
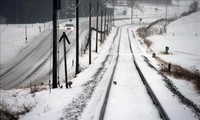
{"x": 182, "y": 37}
{"x": 183, "y": 42}
{"x": 13, "y": 39}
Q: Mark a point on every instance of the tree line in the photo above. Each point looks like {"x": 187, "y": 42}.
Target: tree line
{"x": 37, "y": 11}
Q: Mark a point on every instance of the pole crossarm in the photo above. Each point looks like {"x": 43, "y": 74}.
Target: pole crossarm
{"x": 65, "y": 37}
{"x": 99, "y": 31}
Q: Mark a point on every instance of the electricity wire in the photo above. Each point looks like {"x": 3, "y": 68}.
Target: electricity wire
{"x": 82, "y": 9}
{"x": 91, "y": 12}
{"x": 74, "y": 7}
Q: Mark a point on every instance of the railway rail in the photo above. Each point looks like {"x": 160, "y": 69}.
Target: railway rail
{"x": 151, "y": 93}
{"x": 94, "y": 101}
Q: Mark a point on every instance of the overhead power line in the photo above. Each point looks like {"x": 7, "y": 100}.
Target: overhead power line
{"x": 74, "y": 7}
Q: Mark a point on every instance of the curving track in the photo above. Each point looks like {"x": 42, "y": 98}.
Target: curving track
{"x": 131, "y": 98}
{"x": 132, "y": 92}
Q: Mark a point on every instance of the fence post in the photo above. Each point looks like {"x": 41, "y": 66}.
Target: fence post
{"x": 169, "y": 67}
{"x": 154, "y": 55}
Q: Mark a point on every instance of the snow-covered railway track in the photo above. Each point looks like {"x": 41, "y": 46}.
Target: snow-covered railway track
{"x": 78, "y": 105}
{"x": 129, "y": 90}
{"x": 160, "y": 108}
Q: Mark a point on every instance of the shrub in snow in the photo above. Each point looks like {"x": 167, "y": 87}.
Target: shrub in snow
{"x": 194, "y": 6}
{"x": 8, "y": 113}
{"x": 37, "y": 88}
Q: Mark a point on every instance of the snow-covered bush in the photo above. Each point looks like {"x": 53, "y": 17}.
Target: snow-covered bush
{"x": 193, "y": 7}
{"x": 14, "y": 103}
{"x": 7, "y": 113}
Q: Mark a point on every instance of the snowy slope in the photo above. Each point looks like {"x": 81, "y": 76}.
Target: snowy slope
{"x": 182, "y": 38}
{"x": 13, "y": 39}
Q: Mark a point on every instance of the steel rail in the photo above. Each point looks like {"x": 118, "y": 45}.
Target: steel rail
{"x": 155, "y": 100}
{"x": 158, "y": 105}
{"x": 103, "y": 109}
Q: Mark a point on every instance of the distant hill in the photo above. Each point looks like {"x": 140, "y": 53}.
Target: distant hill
{"x": 156, "y": 1}
{"x": 26, "y": 11}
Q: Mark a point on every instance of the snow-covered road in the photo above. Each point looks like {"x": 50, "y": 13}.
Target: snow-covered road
{"x": 33, "y": 65}
{"x": 25, "y": 66}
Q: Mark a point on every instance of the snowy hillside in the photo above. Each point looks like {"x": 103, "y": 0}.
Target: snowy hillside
{"x": 182, "y": 38}
{"x": 13, "y": 39}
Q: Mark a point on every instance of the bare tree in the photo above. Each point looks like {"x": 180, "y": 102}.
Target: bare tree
{"x": 194, "y": 6}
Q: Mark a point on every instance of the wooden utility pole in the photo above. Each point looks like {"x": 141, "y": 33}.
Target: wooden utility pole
{"x": 97, "y": 27}
{"x": 55, "y": 8}
{"x": 131, "y": 12}
{"x": 166, "y": 9}
{"x": 113, "y": 12}
{"x": 105, "y": 23}
{"x": 101, "y": 25}
{"x": 108, "y": 22}
{"x": 77, "y": 37}
{"x": 26, "y": 33}
{"x": 89, "y": 39}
